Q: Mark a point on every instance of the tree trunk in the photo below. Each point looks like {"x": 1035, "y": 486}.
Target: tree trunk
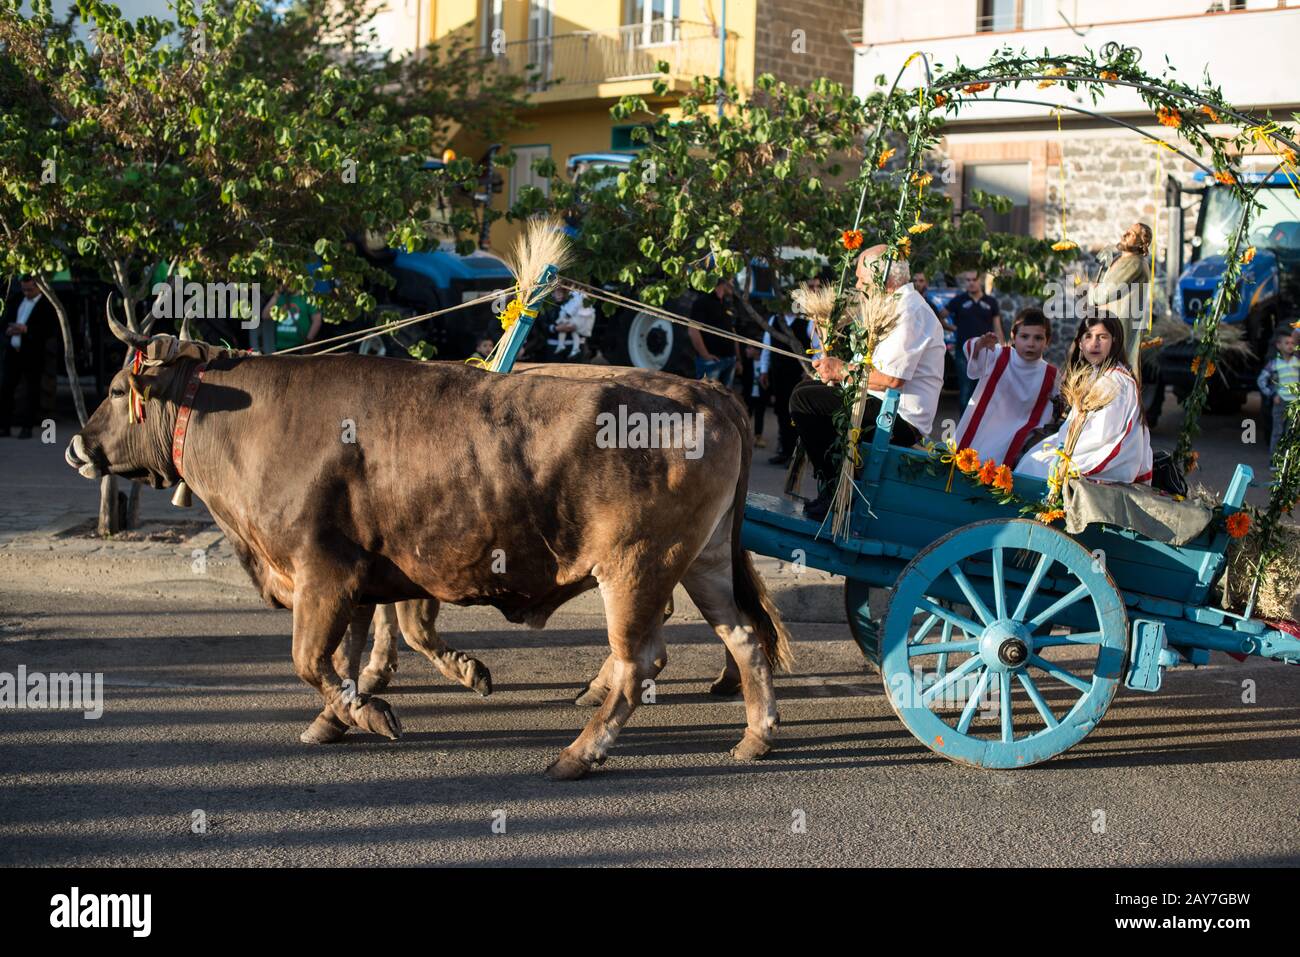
{"x": 109, "y": 514}
{"x": 69, "y": 347}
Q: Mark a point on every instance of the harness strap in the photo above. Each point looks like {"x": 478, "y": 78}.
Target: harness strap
{"x": 183, "y": 416}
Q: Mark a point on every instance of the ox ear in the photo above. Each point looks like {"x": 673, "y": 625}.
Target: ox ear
{"x": 152, "y": 382}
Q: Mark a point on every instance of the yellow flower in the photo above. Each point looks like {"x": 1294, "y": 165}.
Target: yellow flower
{"x": 1226, "y": 177}
{"x": 922, "y": 178}
{"x": 905, "y": 246}
{"x": 968, "y": 460}
{"x": 1064, "y": 244}
{"x": 1248, "y": 255}
{"x": 884, "y": 157}
{"x": 511, "y": 313}
{"x": 1109, "y": 75}
{"x": 919, "y": 227}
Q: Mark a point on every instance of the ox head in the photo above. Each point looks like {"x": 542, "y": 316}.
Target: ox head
{"x": 117, "y": 440}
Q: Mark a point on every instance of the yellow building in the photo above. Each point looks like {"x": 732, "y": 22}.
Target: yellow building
{"x": 582, "y": 55}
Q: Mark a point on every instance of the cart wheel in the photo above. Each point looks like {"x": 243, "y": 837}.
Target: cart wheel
{"x": 992, "y": 686}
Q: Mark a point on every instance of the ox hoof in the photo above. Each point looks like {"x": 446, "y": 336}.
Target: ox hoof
{"x": 373, "y": 682}
{"x": 376, "y": 716}
{"x": 324, "y": 730}
{"x": 750, "y": 748}
{"x": 480, "y": 679}
{"x": 726, "y": 685}
{"x": 591, "y": 697}
{"x": 567, "y": 768}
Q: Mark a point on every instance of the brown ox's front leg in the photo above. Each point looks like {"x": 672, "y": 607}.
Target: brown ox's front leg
{"x": 327, "y": 729}
{"x": 417, "y": 620}
{"x": 638, "y": 653}
{"x": 319, "y": 623}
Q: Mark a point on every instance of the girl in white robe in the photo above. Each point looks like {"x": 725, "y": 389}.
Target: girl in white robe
{"x": 1115, "y": 445}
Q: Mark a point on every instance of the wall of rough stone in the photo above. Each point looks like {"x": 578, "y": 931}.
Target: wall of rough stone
{"x": 825, "y": 52}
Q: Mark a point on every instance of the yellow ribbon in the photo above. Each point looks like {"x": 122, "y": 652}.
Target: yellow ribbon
{"x": 949, "y": 459}
{"x": 1263, "y": 136}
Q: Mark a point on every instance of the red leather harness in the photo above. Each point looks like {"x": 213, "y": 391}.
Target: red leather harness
{"x": 183, "y": 416}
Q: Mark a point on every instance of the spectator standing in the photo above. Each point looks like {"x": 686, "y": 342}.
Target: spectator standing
{"x": 30, "y": 323}
{"x": 1279, "y": 382}
{"x": 975, "y": 315}
{"x": 716, "y": 356}
{"x": 779, "y": 375}
{"x": 300, "y": 322}
{"x": 751, "y": 379}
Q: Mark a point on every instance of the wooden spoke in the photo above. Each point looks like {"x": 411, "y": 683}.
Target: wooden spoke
{"x": 1080, "y": 591}
{"x": 961, "y": 621}
{"x": 972, "y": 597}
{"x": 968, "y": 713}
{"x": 1004, "y": 693}
{"x": 1060, "y": 674}
{"x": 1036, "y": 697}
{"x": 938, "y": 648}
{"x": 963, "y": 669}
{"x": 1031, "y": 587}
{"x": 999, "y": 585}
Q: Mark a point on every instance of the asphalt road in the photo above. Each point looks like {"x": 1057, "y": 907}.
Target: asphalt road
{"x": 203, "y": 711}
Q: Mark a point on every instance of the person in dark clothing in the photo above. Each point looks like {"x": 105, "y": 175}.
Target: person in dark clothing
{"x": 716, "y": 356}
{"x": 755, "y": 392}
{"x": 975, "y": 315}
{"x": 30, "y": 322}
{"x": 780, "y": 374}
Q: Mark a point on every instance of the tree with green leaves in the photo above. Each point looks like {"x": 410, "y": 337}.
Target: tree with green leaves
{"x": 171, "y": 141}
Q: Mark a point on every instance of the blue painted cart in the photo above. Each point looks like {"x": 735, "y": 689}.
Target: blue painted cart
{"x": 1003, "y": 640}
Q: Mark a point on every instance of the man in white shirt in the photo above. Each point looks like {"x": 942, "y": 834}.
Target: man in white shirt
{"x": 909, "y": 359}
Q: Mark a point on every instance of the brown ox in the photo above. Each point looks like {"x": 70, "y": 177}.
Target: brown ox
{"x": 418, "y": 620}
{"x": 348, "y": 481}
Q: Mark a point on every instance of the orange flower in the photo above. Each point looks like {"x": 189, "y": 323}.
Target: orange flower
{"x": 1153, "y": 342}
{"x": 940, "y": 99}
{"x": 1209, "y": 367}
{"x": 1169, "y": 117}
{"x": 884, "y": 157}
{"x": 1288, "y": 155}
{"x": 1248, "y": 255}
{"x": 852, "y": 239}
{"x": 1209, "y": 111}
{"x": 922, "y": 178}
{"x": 988, "y": 472}
{"x": 1109, "y": 75}
{"x": 976, "y": 87}
{"x": 968, "y": 460}
{"x": 1003, "y": 480}
{"x": 1226, "y": 177}
{"x": 1238, "y": 524}
{"x": 1050, "y": 516}
{"x": 1193, "y": 462}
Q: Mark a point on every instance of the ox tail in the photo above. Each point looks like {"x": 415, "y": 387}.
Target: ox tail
{"x": 750, "y": 592}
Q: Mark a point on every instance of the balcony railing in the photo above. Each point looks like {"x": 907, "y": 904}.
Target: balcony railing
{"x": 605, "y": 56}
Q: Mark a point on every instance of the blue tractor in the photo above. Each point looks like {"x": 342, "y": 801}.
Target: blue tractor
{"x": 1268, "y": 286}
{"x": 428, "y": 281}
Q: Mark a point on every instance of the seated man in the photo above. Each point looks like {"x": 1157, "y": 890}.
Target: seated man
{"x": 909, "y": 359}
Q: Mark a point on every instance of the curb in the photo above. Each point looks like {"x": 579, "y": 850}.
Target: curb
{"x": 800, "y": 595}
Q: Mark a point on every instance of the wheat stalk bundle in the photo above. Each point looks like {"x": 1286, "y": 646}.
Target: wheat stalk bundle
{"x": 1085, "y": 390}
{"x": 875, "y": 317}
{"x": 817, "y": 303}
{"x": 541, "y": 244}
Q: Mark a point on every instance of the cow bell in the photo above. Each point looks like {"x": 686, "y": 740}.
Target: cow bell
{"x": 182, "y": 498}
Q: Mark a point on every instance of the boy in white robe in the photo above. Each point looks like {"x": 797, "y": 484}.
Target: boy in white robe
{"x": 1115, "y": 445}
{"x": 1015, "y": 391}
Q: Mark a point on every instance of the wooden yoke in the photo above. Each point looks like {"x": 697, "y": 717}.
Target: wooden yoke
{"x": 518, "y": 332}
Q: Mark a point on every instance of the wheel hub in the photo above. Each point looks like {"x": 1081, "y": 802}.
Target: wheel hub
{"x": 1006, "y": 645}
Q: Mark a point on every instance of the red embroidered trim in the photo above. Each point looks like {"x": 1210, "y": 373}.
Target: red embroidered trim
{"x": 999, "y": 367}
{"x": 1044, "y": 393}
{"x": 183, "y": 417}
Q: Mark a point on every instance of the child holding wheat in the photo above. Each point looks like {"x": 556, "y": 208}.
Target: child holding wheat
{"x": 1104, "y": 436}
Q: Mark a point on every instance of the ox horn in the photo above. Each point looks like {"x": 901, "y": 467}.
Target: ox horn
{"x": 134, "y": 339}
{"x": 185, "y": 330}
